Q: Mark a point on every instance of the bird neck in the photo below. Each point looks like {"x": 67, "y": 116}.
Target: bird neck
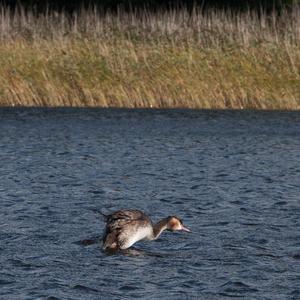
{"x": 159, "y": 227}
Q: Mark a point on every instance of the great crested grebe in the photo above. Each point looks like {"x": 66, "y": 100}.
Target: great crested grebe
{"x": 126, "y": 227}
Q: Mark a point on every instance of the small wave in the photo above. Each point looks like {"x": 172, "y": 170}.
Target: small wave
{"x": 87, "y": 242}
{"x": 5, "y": 282}
{"x": 296, "y": 256}
{"x": 84, "y": 288}
{"x": 235, "y": 289}
{"x": 128, "y": 288}
{"x": 280, "y": 203}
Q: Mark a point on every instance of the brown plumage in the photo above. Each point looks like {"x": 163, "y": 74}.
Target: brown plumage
{"x": 126, "y": 227}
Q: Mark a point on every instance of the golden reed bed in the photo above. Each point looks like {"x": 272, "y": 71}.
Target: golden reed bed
{"x": 217, "y": 59}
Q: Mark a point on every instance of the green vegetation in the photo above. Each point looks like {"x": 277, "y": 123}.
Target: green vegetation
{"x": 216, "y": 59}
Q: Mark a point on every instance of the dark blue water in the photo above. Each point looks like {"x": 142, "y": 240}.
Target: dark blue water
{"x": 233, "y": 177}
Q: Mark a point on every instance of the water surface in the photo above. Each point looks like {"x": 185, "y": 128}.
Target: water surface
{"x": 233, "y": 177}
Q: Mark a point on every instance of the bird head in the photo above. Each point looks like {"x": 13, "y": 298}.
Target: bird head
{"x": 175, "y": 224}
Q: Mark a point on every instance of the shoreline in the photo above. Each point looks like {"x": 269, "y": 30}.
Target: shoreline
{"x": 143, "y": 109}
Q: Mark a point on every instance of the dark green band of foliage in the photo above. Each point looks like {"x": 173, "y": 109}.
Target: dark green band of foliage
{"x": 69, "y": 5}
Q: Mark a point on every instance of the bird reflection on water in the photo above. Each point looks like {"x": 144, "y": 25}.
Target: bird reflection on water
{"x": 132, "y": 251}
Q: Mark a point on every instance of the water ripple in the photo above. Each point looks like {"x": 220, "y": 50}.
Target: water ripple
{"x": 231, "y": 176}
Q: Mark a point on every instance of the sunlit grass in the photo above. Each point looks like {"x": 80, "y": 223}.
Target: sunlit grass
{"x": 167, "y": 59}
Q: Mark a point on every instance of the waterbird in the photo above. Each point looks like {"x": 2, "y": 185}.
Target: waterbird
{"x": 126, "y": 227}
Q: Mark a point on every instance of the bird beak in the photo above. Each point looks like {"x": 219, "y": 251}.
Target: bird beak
{"x": 185, "y": 229}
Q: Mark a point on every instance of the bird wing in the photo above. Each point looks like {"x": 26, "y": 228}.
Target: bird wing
{"x": 124, "y": 218}
{"x": 126, "y": 215}
{"x": 119, "y": 224}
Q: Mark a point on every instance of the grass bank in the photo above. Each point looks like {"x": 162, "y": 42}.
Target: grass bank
{"x": 142, "y": 59}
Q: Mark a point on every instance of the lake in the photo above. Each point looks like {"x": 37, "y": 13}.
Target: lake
{"x": 232, "y": 176}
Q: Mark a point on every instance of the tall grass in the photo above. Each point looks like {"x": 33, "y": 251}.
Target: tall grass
{"x": 217, "y": 59}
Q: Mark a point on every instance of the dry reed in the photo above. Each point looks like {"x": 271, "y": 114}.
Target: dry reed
{"x": 217, "y": 59}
